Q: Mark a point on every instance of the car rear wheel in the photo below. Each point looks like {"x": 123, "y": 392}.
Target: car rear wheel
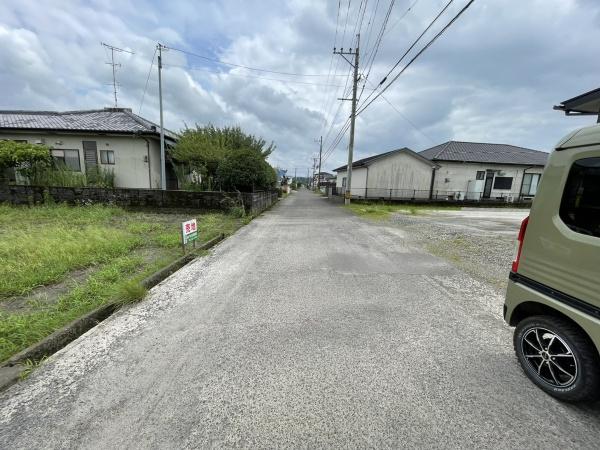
{"x": 558, "y": 357}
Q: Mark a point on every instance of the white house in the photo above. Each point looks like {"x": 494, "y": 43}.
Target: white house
{"x": 110, "y": 138}
{"x": 398, "y": 173}
{"x": 453, "y": 170}
{"x": 475, "y": 170}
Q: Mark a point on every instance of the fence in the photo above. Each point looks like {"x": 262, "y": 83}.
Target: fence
{"x": 435, "y": 195}
{"x": 254, "y": 202}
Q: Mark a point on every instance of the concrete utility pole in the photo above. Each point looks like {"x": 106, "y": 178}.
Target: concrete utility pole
{"x": 320, "y": 155}
{"x": 348, "y": 193}
{"x": 314, "y": 168}
{"x": 114, "y": 65}
{"x": 163, "y": 175}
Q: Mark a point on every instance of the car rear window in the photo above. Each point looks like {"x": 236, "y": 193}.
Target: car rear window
{"x": 580, "y": 205}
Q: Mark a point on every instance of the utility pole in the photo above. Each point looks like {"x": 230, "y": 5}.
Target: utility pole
{"x": 348, "y": 193}
{"x": 320, "y": 154}
{"x": 114, "y": 65}
{"x": 314, "y": 168}
{"x": 163, "y": 175}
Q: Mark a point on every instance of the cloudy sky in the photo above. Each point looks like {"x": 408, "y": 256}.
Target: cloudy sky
{"x": 493, "y": 76}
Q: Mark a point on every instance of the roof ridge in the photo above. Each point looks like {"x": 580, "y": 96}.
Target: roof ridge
{"x": 445, "y": 146}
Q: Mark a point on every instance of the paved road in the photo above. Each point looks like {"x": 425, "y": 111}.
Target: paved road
{"x": 308, "y": 328}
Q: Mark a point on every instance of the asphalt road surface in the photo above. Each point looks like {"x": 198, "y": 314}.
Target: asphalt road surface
{"x": 308, "y": 328}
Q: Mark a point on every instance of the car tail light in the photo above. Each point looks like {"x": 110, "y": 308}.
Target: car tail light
{"x": 520, "y": 240}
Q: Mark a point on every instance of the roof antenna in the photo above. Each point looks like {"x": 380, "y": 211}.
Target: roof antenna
{"x": 114, "y": 65}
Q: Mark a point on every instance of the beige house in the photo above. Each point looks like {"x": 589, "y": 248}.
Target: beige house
{"x": 481, "y": 171}
{"x": 113, "y": 139}
{"x": 399, "y": 173}
{"x": 453, "y": 170}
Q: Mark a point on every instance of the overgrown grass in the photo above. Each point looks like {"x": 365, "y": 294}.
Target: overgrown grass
{"x": 45, "y": 244}
{"x": 382, "y": 211}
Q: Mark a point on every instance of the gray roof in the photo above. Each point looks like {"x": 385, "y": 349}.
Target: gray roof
{"x": 107, "y": 120}
{"x": 586, "y": 103}
{"x": 480, "y": 152}
{"x": 369, "y": 160}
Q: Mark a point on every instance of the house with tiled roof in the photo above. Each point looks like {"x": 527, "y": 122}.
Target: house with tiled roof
{"x": 115, "y": 139}
{"x": 478, "y": 170}
{"x": 452, "y": 170}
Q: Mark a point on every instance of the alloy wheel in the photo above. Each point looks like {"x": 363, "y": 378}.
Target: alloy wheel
{"x": 550, "y": 356}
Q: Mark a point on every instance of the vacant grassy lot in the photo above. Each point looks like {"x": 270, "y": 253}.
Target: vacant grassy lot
{"x": 60, "y": 262}
{"x": 382, "y": 211}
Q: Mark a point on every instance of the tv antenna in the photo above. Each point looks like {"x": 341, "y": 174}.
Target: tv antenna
{"x": 114, "y": 65}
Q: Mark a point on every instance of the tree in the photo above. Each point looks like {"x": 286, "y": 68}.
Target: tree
{"x": 205, "y": 149}
{"x": 246, "y": 170}
{"x": 26, "y": 158}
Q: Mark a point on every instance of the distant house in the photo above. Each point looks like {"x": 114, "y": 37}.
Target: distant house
{"x": 475, "y": 170}
{"x": 397, "y": 174}
{"x": 453, "y": 170}
{"x": 323, "y": 178}
{"x": 110, "y": 138}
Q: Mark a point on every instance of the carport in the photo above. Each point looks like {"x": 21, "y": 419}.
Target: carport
{"x": 583, "y": 105}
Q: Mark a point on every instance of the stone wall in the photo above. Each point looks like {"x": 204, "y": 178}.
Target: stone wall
{"x": 254, "y": 202}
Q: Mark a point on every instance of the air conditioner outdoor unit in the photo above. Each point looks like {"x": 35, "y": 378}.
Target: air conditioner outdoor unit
{"x": 40, "y": 141}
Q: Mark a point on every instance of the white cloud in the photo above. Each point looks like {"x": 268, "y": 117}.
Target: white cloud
{"x": 493, "y": 76}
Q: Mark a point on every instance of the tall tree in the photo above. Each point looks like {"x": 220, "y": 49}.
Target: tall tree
{"x": 205, "y": 149}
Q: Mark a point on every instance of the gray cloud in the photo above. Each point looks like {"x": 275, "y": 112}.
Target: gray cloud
{"x": 494, "y": 76}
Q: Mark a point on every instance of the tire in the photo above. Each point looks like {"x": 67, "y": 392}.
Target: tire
{"x": 558, "y": 357}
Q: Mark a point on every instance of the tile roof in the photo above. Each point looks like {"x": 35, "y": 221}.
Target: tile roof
{"x": 116, "y": 120}
{"x": 480, "y": 152}
{"x": 366, "y": 161}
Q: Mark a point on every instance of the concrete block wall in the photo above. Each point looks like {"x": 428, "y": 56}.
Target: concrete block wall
{"x": 254, "y": 202}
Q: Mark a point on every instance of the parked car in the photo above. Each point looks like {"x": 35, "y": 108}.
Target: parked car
{"x": 553, "y": 295}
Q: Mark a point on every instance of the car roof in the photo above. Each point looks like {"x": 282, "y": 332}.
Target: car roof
{"x": 582, "y": 137}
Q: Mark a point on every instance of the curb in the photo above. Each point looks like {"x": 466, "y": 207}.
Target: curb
{"x": 10, "y": 369}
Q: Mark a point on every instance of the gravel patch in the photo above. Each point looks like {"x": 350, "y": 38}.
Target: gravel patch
{"x": 486, "y": 257}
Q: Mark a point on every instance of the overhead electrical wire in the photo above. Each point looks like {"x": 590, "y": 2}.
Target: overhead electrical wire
{"x": 329, "y": 103}
{"x": 410, "y": 48}
{"x": 205, "y": 69}
{"x": 440, "y": 33}
{"x": 257, "y": 69}
{"x": 147, "y": 80}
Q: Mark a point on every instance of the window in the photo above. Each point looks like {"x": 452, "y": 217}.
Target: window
{"x": 530, "y": 183}
{"x": 67, "y": 158}
{"x": 503, "y": 182}
{"x": 344, "y": 182}
{"x": 480, "y": 175}
{"x": 580, "y": 205}
{"x": 107, "y": 156}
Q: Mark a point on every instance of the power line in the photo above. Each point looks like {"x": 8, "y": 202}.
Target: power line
{"x": 377, "y": 45}
{"x": 330, "y": 102}
{"x": 337, "y": 23}
{"x": 244, "y": 67}
{"x": 204, "y": 69}
{"x": 410, "y": 48}
{"x": 402, "y": 17}
{"x": 417, "y": 55}
{"x": 147, "y": 80}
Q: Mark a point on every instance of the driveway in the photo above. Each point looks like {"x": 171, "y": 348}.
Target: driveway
{"x": 308, "y": 328}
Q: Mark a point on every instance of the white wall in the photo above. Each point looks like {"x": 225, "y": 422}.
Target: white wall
{"x": 402, "y": 173}
{"x": 455, "y": 176}
{"x": 359, "y": 182}
{"x": 134, "y": 166}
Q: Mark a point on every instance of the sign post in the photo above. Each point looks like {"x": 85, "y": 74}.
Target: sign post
{"x": 189, "y": 233}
